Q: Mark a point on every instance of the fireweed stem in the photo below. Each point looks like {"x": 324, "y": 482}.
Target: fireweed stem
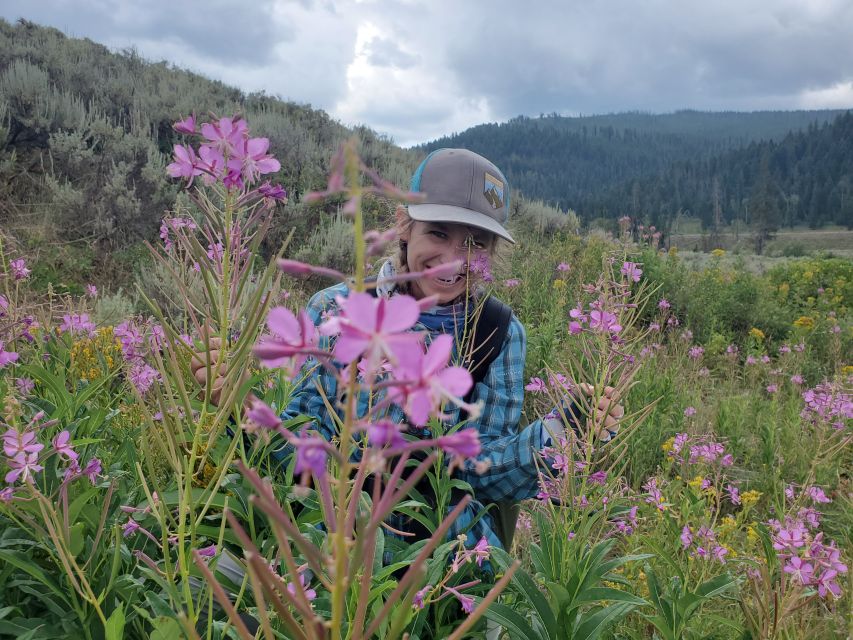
{"x": 341, "y": 582}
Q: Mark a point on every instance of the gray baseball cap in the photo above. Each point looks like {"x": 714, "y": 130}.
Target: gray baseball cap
{"x": 463, "y": 187}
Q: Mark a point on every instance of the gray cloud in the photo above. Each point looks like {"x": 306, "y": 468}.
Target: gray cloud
{"x": 387, "y": 53}
{"x": 418, "y": 69}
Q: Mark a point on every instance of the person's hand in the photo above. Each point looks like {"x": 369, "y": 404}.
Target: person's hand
{"x": 199, "y": 367}
{"x": 606, "y": 417}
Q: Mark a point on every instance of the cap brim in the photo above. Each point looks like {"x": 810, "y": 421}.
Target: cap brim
{"x": 458, "y": 215}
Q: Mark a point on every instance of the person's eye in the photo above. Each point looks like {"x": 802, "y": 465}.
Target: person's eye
{"x": 438, "y": 234}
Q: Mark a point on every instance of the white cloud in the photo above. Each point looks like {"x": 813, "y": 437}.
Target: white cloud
{"x": 838, "y": 96}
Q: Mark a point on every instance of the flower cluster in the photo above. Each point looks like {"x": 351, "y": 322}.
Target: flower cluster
{"x": 827, "y": 404}
{"x": 25, "y": 456}
{"x": 806, "y": 558}
{"x": 228, "y": 154}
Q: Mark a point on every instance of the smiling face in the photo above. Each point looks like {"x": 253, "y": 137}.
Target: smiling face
{"x": 431, "y": 244}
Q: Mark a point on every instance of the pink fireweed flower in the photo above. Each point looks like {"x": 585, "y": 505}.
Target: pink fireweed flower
{"x": 733, "y": 493}
{"x": 7, "y": 357}
{"x": 187, "y": 125}
{"x": 374, "y": 327}
{"x": 686, "y": 537}
{"x": 311, "y": 455}
{"x": 563, "y": 266}
{"x": 797, "y": 379}
{"x": 272, "y": 192}
{"x": 694, "y": 353}
{"x": 384, "y": 433}
{"x": 251, "y": 159}
{"x": 464, "y": 443}
{"x": 143, "y": 376}
{"x": 511, "y": 283}
{"x": 262, "y": 415}
{"x": 599, "y": 477}
{"x": 77, "y": 323}
{"x": 632, "y": 271}
{"x": 207, "y": 552}
{"x": 663, "y": 304}
{"x": 186, "y": 165}
{"x": 826, "y": 584}
{"x": 23, "y": 466}
{"x": 799, "y": 569}
{"x": 19, "y": 269}
{"x": 310, "y": 594}
{"x": 291, "y": 337}
{"x": 425, "y": 381}
{"x": 466, "y": 601}
{"x": 535, "y": 385}
{"x": 25, "y": 386}
{"x": 817, "y": 495}
{"x": 92, "y": 470}
{"x": 7, "y": 495}
{"x": 719, "y": 553}
{"x": 226, "y": 134}
{"x": 481, "y": 265}
{"x": 575, "y": 328}
{"x": 689, "y": 411}
{"x": 481, "y": 551}
{"x": 16, "y": 443}
{"x": 418, "y": 600}
{"x": 62, "y": 446}
{"x": 772, "y": 388}
{"x": 91, "y": 291}
{"x": 603, "y": 321}
{"x": 751, "y": 360}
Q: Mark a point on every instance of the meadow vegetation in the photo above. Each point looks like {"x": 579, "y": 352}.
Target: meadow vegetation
{"x": 134, "y": 506}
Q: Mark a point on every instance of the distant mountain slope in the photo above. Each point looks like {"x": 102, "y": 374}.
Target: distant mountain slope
{"x": 804, "y": 178}
{"x": 571, "y": 162}
{"x": 85, "y": 134}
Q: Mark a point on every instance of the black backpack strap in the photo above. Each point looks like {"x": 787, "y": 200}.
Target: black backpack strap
{"x": 489, "y": 335}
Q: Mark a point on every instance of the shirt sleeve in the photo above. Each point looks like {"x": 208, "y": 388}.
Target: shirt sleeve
{"x": 512, "y": 455}
{"x": 306, "y": 398}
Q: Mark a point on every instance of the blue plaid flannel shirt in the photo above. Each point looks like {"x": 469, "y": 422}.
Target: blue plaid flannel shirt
{"x": 511, "y": 453}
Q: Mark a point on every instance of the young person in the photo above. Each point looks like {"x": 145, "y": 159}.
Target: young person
{"x": 462, "y": 218}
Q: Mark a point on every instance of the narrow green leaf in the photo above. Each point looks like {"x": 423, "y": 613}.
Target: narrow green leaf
{"x": 592, "y": 626}
{"x": 512, "y": 622}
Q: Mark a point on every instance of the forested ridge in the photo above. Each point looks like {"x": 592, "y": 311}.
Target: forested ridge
{"x": 656, "y": 166}
{"x": 86, "y": 134}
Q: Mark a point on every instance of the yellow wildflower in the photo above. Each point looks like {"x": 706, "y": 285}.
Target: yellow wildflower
{"x": 727, "y": 525}
{"x": 673, "y": 251}
{"x": 559, "y": 284}
{"x": 756, "y": 333}
{"x": 847, "y": 370}
{"x": 696, "y": 483}
{"x": 749, "y": 498}
{"x": 804, "y": 322}
{"x": 751, "y": 534}
{"x": 718, "y": 253}
{"x": 667, "y": 446}
{"x": 784, "y": 288}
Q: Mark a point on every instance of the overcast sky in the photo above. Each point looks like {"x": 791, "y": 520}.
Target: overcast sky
{"x": 419, "y": 69}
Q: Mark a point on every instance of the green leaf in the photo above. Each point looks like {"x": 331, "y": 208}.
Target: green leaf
{"x": 77, "y": 539}
{"x": 715, "y": 586}
{"x": 525, "y": 585}
{"x": 166, "y": 629}
{"x": 26, "y": 564}
{"x": 512, "y": 622}
{"x": 114, "y": 629}
{"x": 592, "y": 626}
{"x": 601, "y": 594}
